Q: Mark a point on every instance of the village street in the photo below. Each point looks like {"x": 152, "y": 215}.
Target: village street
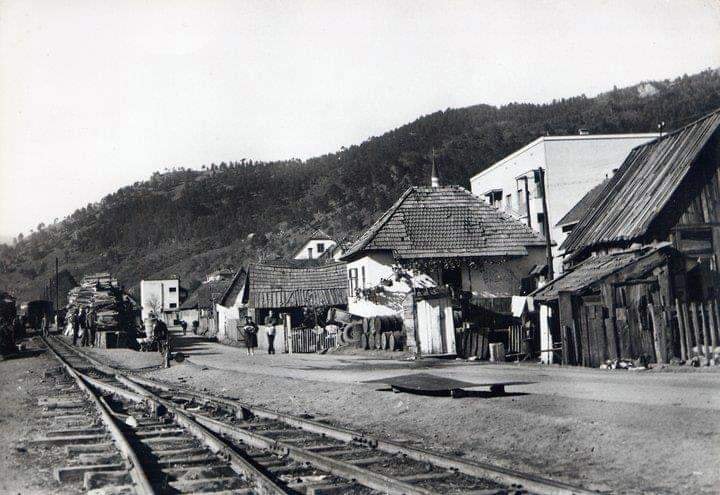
{"x": 627, "y": 431}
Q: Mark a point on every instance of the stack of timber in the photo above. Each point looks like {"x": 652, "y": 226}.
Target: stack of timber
{"x": 382, "y": 333}
{"x": 100, "y": 292}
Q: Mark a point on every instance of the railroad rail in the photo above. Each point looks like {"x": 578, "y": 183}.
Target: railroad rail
{"x": 263, "y": 451}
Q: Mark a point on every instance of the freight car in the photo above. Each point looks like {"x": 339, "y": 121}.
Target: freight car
{"x": 32, "y": 312}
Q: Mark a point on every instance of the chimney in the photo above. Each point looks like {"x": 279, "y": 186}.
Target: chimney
{"x": 434, "y": 180}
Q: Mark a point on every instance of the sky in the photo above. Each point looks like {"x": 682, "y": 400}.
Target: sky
{"x": 97, "y": 95}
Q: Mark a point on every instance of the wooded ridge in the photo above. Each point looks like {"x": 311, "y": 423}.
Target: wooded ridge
{"x": 187, "y": 223}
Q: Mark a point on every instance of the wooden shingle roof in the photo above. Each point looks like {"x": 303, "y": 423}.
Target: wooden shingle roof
{"x": 642, "y": 187}
{"x": 446, "y": 221}
{"x": 597, "y": 268}
{"x": 284, "y": 285}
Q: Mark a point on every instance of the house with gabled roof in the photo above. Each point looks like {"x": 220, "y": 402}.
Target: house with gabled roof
{"x": 318, "y": 245}
{"x": 440, "y": 237}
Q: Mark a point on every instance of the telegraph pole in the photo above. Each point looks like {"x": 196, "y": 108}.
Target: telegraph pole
{"x": 57, "y": 286}
{"x": 546, "y": 224}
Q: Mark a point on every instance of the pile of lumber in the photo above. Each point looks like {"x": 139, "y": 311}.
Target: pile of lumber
{"x": 100, "y": 291}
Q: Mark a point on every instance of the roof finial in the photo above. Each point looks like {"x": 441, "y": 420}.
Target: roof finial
{"x": 434, "y": 180}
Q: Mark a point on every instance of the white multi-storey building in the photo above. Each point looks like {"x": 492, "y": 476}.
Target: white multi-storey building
{"x": 572, "y": 165}
{"x": 161, "y": 297}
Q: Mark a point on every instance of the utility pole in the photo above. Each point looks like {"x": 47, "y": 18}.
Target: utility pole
{"x": 546, "y": 223}
{"x": 57, "y": 286}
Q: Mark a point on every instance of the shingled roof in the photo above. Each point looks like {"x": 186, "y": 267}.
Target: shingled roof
{"x": 283, "y": 285}
{"x": 642, "y": 187}
{"x": 597, "y": 268}
{"x": 206, "y": 295}
{"x": 441, "y": 222}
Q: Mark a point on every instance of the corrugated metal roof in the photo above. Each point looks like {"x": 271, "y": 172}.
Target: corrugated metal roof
{"x": 280, "y": 285}
{"x": 642, "y": 187}
{"x": 447, "y": 221}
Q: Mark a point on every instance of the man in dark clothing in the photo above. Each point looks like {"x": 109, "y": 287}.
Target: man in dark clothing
{"x": 91, "y": 324}
{"x": 250, "y": 331}
{"x": 75, "y": 320}
{"x": 161, "y": 336}
{"x": 183, "y": 324}
{"x": 83, "y": 319}
{"x": 270, "y": 322}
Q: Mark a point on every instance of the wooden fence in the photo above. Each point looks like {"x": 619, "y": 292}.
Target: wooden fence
{"x": 304, "y": 340}
{"x": 472, "y": 342}
{"x": 698, "y": 330}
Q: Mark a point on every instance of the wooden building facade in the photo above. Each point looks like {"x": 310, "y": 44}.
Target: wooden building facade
{"x": 642, "y": 264}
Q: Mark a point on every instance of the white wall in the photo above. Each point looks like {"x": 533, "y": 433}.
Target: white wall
{"x": 371, "y": 269}
{"x": 501, "y": 277}
{"x": 313, "y": 245}
{"x": 166, "y": 292}
{"x": 573, "y": 165}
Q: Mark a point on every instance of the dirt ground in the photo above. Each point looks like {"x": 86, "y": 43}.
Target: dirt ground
{"x": 26, "y": 469}
{"x": 655, "y": 431}
{"x": 620, "y": 431}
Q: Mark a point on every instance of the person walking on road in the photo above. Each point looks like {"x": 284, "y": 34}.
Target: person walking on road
{"x": 271, "y": 321}
{"x": 250, "y": 331}
{"x": 162, "y": 337}
{"x": 183, "y": 324}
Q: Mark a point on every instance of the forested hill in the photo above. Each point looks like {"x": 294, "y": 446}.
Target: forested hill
{"x": 190, "y": 222}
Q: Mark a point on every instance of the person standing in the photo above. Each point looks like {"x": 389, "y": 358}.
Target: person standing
{"x": 250, "y": 331}
{"x": 271, "y": 321}
{"x": 82, "y": 320}
{"x": 183, "y": 324}
{"x": 91, "y": 324}
{"x": 75, "y": 321}
{"x": 45, "y": 325}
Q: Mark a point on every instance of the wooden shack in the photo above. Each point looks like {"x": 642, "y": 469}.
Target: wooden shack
{"x": 643, "y": 261}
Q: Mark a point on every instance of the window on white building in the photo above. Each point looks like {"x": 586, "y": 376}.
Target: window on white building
{"x": 173, "y": 305}
{"x": 320, "y": 247}
{"x": 310, "y": 253}
{"x": 173, "y": 289}
{"x": 353, "y": 279}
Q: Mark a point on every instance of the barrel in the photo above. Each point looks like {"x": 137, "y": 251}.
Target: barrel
{"x": 497, "y": 352}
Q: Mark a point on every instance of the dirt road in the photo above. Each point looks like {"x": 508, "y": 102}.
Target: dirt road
{"x": 633, "y": 432}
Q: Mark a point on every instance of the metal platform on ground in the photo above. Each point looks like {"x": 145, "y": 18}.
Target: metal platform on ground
{"x": 427, "y": 384}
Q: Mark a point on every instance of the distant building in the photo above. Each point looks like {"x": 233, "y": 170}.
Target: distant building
{"x": 318, "y": 245}
{"x": 161, "y": 297}
{"x": 573, "y": 165}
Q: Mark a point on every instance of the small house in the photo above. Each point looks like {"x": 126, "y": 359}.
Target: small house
{"x": 434, "y": 244}
{"x": 318, "y": 245}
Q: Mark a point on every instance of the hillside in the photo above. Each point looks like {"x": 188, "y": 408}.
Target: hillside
{"x": 189, "y": 222}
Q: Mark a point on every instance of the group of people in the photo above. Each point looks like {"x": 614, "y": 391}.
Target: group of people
{"x": 84, "y": 326}
{"x": 250, "y": 331}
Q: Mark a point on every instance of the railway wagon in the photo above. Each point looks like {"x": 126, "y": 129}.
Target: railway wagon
{"x": 33, "y": 311}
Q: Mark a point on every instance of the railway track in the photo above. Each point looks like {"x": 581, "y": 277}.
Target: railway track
{"x": 173, "y": 440}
